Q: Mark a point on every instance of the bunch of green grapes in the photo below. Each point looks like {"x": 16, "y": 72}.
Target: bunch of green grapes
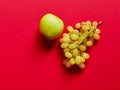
{"x": 77, "y": 40}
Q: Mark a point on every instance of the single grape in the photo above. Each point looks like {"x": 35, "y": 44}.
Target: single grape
{"x": 64, "y": 45}
{"x": 72, "y": 61}
{"x": 82, "y": 47}
{"x": 65, "y": 40}
{"x": 88, "y": 23}
{"x": 85, "y": 55}
{"x": 78, "y": 60}
{"x": 82, "y": 59}
{"x": 89, "y": 43}
{"x": 96, "y": 36}
{"x": 78, "y": 25}
{"x": 82, "y": 65}
{"x": 97, "y": 31}
{"x": 70, "y": 28}
{"x": 74, "y": 36}
{"x": 83, "y": 23}
{"x": 85, "y": 27}
{"x": 95, "y": 23}
{"x": 72, "y": 46}
{"x": 75, "y": 52}
{"x": 66, "y": 50}
{"x": 68, "y": 54}
{"x": 66, "y": 35}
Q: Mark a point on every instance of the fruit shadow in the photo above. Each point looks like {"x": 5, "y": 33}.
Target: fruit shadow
{"x": 43, "y": 43}
{"x": 73, "y": 70}
{"x": 40, "y": 47}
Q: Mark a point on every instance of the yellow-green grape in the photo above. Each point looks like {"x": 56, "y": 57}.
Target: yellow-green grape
{"x": 82, "y": 65}
{"x": 74, "y": 36}
{"x": 97, "y": 31}
{"x": 66, "y": 50}
{"x": 75, "y": 52}
{"x": 85, "y": 55}
{"x": 65, "y": 40}
{"x": 68, "y": 54}
{"x": 78, "y": 60}
{"x": 88, "y": 23}
{"x": 72, "y": 61}
{"x": 64, "y": 45}
{"x": 89, "y": 43}
{"x": 82, "y": 59}
{"x": 70, "y": 28}
{"x": 66, "y": 35}
{"x": 96, "y": 36}
{"x": 82, "y": 47}
{"x": 76, "y": 31}
{"x": 68, "y": 64}
{"x": 78, "y": 25}
{"x": 95, "y": 23}
{"x": 83, "y": 23}
{"x": 85, "y": 27}
{"x": 65, "y": 61}
{"x": 72, "y": 46}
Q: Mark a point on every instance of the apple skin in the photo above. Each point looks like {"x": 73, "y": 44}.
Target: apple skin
{"x": 51, "y": 26}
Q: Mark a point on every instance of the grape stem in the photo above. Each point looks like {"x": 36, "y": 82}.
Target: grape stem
{"x": 87, "y": 33}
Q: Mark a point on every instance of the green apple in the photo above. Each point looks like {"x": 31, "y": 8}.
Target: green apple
{"x": 51, "y": 26}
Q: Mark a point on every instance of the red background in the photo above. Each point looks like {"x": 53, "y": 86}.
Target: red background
{"x": 29, "y": 62}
